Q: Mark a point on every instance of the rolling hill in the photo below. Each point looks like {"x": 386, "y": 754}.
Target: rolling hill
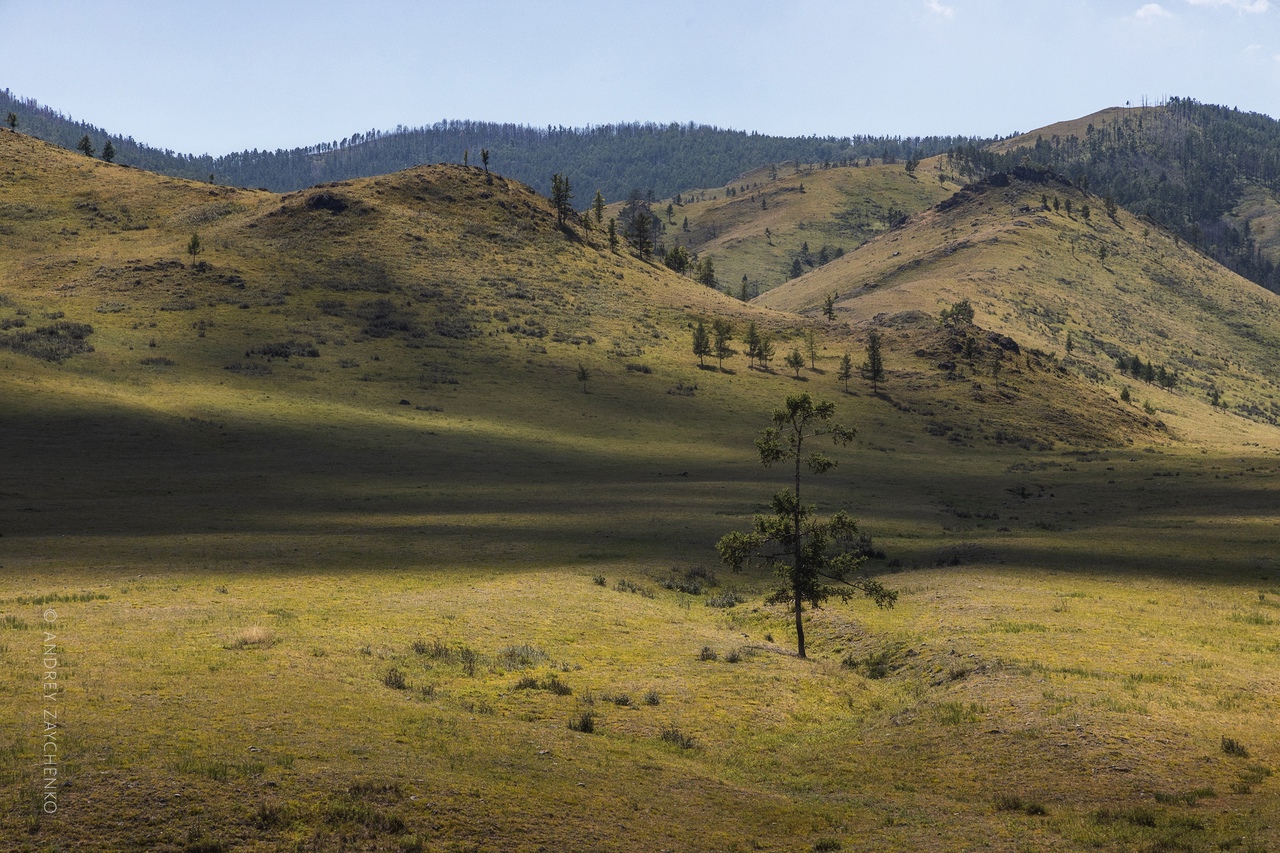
{"x": 380, "y": 515}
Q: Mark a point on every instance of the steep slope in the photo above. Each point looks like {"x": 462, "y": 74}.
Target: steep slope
{"x": 1209, "y": 174}
{"x": 1115, "y": 288}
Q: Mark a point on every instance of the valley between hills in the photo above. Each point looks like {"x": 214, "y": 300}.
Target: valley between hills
{"x": 381, "y": 515}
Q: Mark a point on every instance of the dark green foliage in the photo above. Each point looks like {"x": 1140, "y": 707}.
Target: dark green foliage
{"x": 108, "y": 151}
{"x": 677, "y": 259}
{"x": 795, "y": 361}
{"x": 1186, "y": 166}
{"x": 829, "y": 307}
{"x": 845, "y": 373}
{"x": 752, "y": 341}
{"x": 722, "y": 334}
{"x": 804, "y": 550}
{"x": 598, "y": 205}
{"x": 959, "y": 314}
{"x": 193, "y": 245}
{"x": 706, "y": 273}
{"x": 1231, "y": 746}
{"x": 85, "y": 146}
{"x": 12, "y": 120}
{"x": 561, "y": 198}
{"x": 701, "y": 342}
{"x": 613, "y": 235}
{"x": 873, "y": 367}
{"x": 584, "y": 722}
{"x": 678, "y": 738}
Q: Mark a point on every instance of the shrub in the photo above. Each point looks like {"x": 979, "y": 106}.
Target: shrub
{"x": 825, "y": 845}
{"x": 707, "y": 653}
{"x": 622, "y": 700}
{"x": 585, "y": 723}
{"x": 395, "y": 679}
{"x": 522, "y": 656}
{"x": 599, "y": 580}
{"x": 652, "y": 698}
{"x": 1231, "y": 746}
{"x": 734, "y": 656}
{"x": 678, "y": 738}
{"x": 255, "y": 636}
{"x": 728, "y": 598}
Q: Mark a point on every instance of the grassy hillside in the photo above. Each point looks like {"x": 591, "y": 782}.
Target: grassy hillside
{"x": 1118, "y": 287}
{"x": 763, "y": 221}
{"x": 333, "y": 547}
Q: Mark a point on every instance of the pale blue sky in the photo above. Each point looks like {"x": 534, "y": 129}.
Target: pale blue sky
{"x": 229, "y": 75}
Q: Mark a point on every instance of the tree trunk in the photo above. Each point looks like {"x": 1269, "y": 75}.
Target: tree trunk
{"x": 799, "y": 627}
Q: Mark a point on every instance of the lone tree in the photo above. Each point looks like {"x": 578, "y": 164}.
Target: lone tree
{"x": 598, "y": 206}
{"x": 583, "y": 376}
{"x": 829, "y": 307}
{"x": 959, "y": 314}
{"x": 805, "y": 551}
{"x": 85, "y": 145}
{"x": 873, "y": 367}
{"x": 108, "y": 151}
{"x": 12, "y": 120}
{"x": 193, "y": 245}
{"x": 613, "y": 234}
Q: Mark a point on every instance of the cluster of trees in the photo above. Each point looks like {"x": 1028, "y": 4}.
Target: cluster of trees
{"x": 806, "y": 258}
{"x": 1148, "y": 372}
{"x": 1185, "y": 165}
{"x": 614, "y": 157}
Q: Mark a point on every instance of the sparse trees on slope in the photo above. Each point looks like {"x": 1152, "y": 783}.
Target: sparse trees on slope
{"x": 807, "y": 553}
{"x": 613, "y": 234}
{"x": 706, "y": 273}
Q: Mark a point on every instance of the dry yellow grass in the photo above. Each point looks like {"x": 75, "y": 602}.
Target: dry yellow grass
{"x": 1047, "y": 647}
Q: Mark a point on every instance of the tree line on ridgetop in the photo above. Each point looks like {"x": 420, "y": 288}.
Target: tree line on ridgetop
{"x": 616, "y": 158}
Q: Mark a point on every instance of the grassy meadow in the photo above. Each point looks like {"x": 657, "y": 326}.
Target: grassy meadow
{"x": 423, "y": 590}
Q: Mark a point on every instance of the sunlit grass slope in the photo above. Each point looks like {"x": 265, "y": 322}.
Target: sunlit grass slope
{"x": 775, "y": 212}
{"x": 333, "y": 548}
{"x": 1117, "y": 287}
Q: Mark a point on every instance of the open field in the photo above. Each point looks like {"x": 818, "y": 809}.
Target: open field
{"x": 292, "y": 612}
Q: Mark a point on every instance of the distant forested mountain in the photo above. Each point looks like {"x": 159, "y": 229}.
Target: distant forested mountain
{"x": 1208, "y": 173}
{"x": 615, "y": 159}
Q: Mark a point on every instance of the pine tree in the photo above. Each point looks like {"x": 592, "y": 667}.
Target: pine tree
{"x": 598, "y": 206}
{"x": 795, "y": 361}
{"x": 873, "y": 367}
{"x": 805, "y": 551}
{"x": 85, "y": 145}
{"x": 561, "y": 194}
{"x": 829, "y": 307}
{"x": 108, "y": 151}
{"x": 722, "y": 332}
{"x": 845, "y": 373}
{"x": 12, "y": 121}
{"x": 752, "y": 341}
{"x": 613, "y": 234}
{"x": 701, "y": 343}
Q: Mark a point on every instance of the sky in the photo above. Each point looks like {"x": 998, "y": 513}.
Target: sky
{"x": 216, "y": 77}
